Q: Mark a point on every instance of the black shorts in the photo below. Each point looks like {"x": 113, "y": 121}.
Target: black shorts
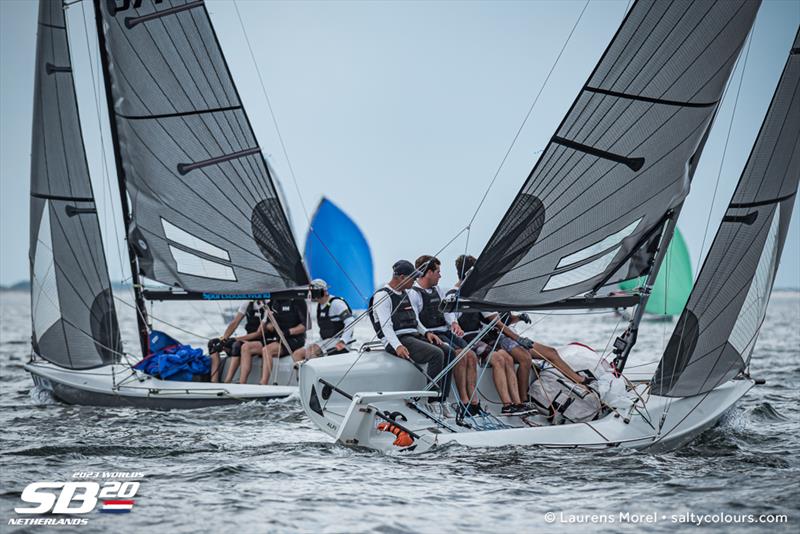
{"x": 453, "y": 341}
{"x": 229, "y": 347}
{"x": 294, "y": 342}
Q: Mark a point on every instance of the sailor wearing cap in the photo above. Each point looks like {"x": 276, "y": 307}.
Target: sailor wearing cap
{"x": 334, "y": 319}
{"x": 397, "y": 325}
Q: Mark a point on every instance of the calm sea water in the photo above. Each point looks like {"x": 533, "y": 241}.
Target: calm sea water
{"x": 258, "y": 468}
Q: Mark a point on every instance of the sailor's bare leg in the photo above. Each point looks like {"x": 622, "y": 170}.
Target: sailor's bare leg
{"x": 502, "y": 369}
{"x": 300, "y": 354}
{"x": 215, "y": 361}
{"x": 524, "y": 360}
{"x": 472, "y": 376}
{"x": 460, "y": 376}
{"x": 511, "y": 379}
{"x": 543, "y": 352}
{"x": 232, "y": 369}
{"x": 267, "y": 353}
{"x": 249, "y": 349}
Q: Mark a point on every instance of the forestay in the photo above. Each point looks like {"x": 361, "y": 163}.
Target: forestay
{"x": 205, "y": 212}
{"x": 72, "y": 308}
{"x": 717, "y": 330}
{"x": 593, "y": 208}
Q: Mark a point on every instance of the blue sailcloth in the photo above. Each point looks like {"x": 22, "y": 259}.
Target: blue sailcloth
{"x": 337, "y": 251}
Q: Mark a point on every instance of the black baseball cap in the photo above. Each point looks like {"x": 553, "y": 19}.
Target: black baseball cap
{"x": 404, "y": 268}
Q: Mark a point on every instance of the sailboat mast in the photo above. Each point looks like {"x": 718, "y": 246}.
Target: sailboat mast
{"x": 141, "y": 310}
{"x": 624, "y": 343}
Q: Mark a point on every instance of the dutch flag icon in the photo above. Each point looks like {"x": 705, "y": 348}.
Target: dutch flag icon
{"x": 117, "y": 507}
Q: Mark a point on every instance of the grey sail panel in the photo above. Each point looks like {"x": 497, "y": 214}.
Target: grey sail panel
{"x": 72, "y": 308}
{"x": 620, "y": 161}
{"x": 206, "y": 215}
{"x": 58, "y": 163}
{"x": 716, "y": 333}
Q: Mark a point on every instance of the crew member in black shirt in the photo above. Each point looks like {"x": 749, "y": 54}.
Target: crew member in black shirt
{"x": 283, "y": 330}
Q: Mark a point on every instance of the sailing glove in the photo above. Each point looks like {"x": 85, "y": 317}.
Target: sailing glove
{"x": 524, "y": 342}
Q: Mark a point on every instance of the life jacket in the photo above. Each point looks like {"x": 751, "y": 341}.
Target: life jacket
{"x": 329, "y": 325}
{"x": 430, "y": 315}
{"x": 403, "y": 316}
{"x": 286, "y": 316}
{"x": 470, "y": 321}
{"x": 253, "y": 316}
{"x": 404, "y": 439}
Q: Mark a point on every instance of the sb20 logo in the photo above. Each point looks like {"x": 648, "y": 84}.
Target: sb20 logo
{"x": 114, "y": 6}
{"x": 83, "y": 494}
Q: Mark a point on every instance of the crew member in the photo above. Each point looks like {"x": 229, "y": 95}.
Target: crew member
{"x": 397, "y": 326}
{"x": 334, "y": 319}
{"x": 426, "y": 297}
{"x": 487, "y": 349}
{"x": 522, "y": 349}
{"x": 283, "y": 330}
{"x": 252, "y": 313}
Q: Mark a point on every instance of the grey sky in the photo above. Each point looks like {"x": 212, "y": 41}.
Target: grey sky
{"x": 399, "y": 112}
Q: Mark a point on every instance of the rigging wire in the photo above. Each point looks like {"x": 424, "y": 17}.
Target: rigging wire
{"x": 714, "y": 196}
{"x": 611, "y": 193}
{"x": 467, "y": 228}
{"x": 67, "y": 277}
{"x": 271, "y": 111}
{"x": 286, "y": 154}
{"x": 107, "y": 186}
{"x": 106, "y": 181}
{"x": 527, "y": 115}
{"x": 154, "y": 318}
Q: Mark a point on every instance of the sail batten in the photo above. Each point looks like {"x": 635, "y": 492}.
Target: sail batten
{"x": 74, "y": 321}
{"x": 625, "y": 152}
{"x": 649, "y": 99}
{"x": 130, "y": 22}
{"x": 717, "y": 331}
{"x": 190, "y": 156}
{"x": 178, "y": 113}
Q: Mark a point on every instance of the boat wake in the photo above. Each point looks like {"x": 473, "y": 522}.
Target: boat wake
{"x": 764, "y": 411}
{"x": 41, "y": 396}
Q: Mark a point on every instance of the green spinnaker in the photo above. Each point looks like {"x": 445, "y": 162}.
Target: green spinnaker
{"x": 673, "y": 283}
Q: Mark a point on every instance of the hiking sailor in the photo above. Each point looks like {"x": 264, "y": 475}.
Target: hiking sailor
{"x": 425, "y": 297}
{"x": 252, "y": 312}
{"x": 522, "y": 349}
{"x": 335, "y": 320}
{"x": 501, "y": 362}
{"x": 281, "y": 333}
{"x": 397, "y": 326}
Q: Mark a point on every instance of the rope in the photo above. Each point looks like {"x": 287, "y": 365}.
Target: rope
{"x": 171, "y": 325}
{"x": 527, "y": 115}
{"x": 286, "y": 154}
{"x": 714, "y": 196}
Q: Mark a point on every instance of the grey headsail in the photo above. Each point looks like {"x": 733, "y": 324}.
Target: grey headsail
{"x": 596, "y": 204}
{"x": 717, "y": 330}
{"x": 205, "y": 213}
{"x": 72, "y": 308}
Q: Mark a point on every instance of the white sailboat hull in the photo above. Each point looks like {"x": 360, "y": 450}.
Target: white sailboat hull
{"x": 119, "y": 385}
{"x": 381, "y": 382}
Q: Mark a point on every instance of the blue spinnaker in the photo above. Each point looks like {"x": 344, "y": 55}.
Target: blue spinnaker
{"x": 338, "y": 252}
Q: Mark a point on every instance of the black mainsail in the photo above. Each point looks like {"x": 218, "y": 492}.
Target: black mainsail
{"x": 602, "y": 199}
{"x": 205, "y": 215}
{"x": 72, "y": 307}
{"x": 717, "y": 331}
